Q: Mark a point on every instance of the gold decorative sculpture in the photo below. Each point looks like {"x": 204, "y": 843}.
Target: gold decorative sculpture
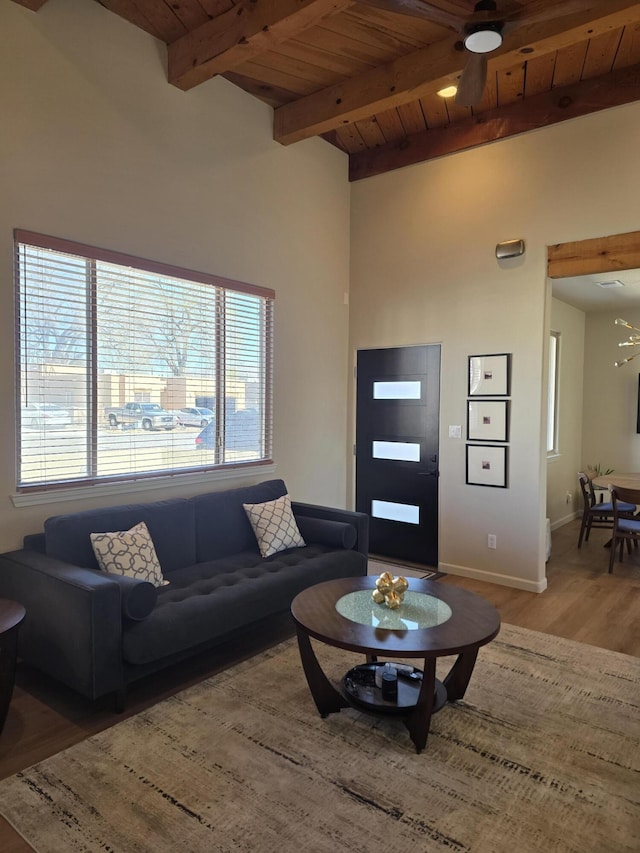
{"x": 390, "y": 590}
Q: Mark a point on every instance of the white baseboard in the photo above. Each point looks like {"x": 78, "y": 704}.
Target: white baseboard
{"x": 491, "y": 577}
{"x": 560, "y": 522}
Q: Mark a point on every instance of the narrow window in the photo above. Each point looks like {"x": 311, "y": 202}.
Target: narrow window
{"x": 552, "y": 407}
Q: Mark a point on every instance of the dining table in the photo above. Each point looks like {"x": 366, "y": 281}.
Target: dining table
{"x": 624, "y": 481}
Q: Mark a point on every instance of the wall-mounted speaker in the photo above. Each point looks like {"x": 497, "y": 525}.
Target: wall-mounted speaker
{"x": 509, "y": 249}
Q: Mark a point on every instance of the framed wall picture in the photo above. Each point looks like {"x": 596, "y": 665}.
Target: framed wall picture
{"x": 487, "y": 465}
{"x": 488, "y": 420}
{"x": 490, "y": 375}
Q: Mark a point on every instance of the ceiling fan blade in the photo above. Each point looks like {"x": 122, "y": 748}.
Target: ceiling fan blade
{"x": 418, "y": 9}
{"x": 540, "y": 11}
{"x": 472, "y": 82}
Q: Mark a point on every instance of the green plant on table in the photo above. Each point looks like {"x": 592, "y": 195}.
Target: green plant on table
{"x": 597, "y": 471}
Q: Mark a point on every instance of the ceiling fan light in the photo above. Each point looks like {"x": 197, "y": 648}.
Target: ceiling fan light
{"x": 485, "y": 39}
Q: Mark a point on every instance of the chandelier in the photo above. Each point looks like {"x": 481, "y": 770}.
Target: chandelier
{"x": 632, "y": 341}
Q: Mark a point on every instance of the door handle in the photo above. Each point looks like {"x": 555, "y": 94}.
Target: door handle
{"x": 433, "y": 458}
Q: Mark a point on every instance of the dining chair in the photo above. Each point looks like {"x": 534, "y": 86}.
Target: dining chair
{"x": 625, "y": 528}
{"x": 596, "y": 514}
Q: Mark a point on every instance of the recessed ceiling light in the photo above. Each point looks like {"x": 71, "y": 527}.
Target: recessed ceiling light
{"x": 613, "y": 283}
{"x": 447, "y": 92}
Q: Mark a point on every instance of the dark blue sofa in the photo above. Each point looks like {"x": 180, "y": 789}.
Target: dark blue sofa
{"x": 98, "y": 632}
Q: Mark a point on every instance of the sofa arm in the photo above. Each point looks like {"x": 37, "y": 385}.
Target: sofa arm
{"x": 73, "y": 627}
{"x": 358, "y": 520}
{"x": 334, "y": 534}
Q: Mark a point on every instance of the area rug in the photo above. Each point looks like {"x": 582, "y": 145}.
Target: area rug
{"x": 543, "y": 754}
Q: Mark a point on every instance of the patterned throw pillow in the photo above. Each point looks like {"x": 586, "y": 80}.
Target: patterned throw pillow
{"x": 129, "y": 552}
{"x": 274, "y": 524}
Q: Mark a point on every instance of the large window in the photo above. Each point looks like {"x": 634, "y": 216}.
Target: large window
{"x": 129, "y": 368}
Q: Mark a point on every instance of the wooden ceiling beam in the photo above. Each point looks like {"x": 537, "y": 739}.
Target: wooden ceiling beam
{"x": 425, "y": 11}
{"x": 425, "y": 71}
{"x": 248, "y": 29}
{"x": 597, "y": 255}
{"x": 566, "y": 102}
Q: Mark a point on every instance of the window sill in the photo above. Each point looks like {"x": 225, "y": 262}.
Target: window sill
{"x": 553, "y": 457}
{"x": 81, "y": 493}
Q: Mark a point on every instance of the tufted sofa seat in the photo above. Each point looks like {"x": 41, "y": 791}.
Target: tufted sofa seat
{"x": 240, "y": 585}
{"x": 98, "y": 632}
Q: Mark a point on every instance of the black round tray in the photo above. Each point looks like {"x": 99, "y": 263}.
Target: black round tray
{"x": 359, "y": 688}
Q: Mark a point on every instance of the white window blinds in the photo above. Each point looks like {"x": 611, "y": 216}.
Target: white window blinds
{"x": 130, "y": 368}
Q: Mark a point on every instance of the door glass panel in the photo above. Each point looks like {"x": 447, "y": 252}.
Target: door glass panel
{"x": 397, "y": 390}
{"x": 395, "y": 512}
{"x": 399, "y": 451}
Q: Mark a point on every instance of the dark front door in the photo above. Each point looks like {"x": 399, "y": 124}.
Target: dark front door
{"x": 397, "y": 426}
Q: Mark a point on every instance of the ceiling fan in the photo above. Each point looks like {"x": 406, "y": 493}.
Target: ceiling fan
{"x": 482, "y": 31}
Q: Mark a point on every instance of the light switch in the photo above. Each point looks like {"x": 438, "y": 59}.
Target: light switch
{"x": 455, "y": 431}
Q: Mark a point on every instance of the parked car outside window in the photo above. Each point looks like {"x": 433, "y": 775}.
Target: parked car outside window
{"x": 41, "y": 415}
{"x": 206, "y": 440}
{"x": 194, "y": 416}
{"x": 242, "y": 429}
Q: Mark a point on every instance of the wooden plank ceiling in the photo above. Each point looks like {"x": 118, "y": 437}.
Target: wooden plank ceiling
{"x": 364, "y": 75}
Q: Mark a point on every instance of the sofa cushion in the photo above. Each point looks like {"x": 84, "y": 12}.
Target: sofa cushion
{"x": 128, "y": 552}
{"x": 207, "y": 600}
{"x": 171, "y": 524}
{"x": 274, "y": 526}
{"x": 138, "y": 598}
{"x": 222, "y": 526}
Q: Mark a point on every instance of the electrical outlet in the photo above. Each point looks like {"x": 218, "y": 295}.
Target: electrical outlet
{"x": 569, "y": 498}
{"x": 491, "y": 540}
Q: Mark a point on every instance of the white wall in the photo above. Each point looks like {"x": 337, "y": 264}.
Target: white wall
{"x": 563, "y": 467}
{"x": 424, "y": 271}
{"x": 97, "y": 147}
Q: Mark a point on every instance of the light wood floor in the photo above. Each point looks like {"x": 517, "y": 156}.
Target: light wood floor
{"x": 582, "y": 602}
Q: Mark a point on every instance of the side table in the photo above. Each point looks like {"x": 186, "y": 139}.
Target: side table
{"x": 11, "y": 615}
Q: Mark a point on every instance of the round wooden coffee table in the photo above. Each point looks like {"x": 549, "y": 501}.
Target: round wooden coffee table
{"x": 433, "y": 621}
{"x": 11, "y": 615}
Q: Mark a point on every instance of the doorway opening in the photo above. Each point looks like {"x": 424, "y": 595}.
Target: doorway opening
{"x": 596, "y": 405}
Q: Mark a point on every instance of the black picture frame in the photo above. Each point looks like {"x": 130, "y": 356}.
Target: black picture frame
{"x": 486, "y": 465}
{"x": 489, "y": 375}
{"x": 487, "y": 420}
